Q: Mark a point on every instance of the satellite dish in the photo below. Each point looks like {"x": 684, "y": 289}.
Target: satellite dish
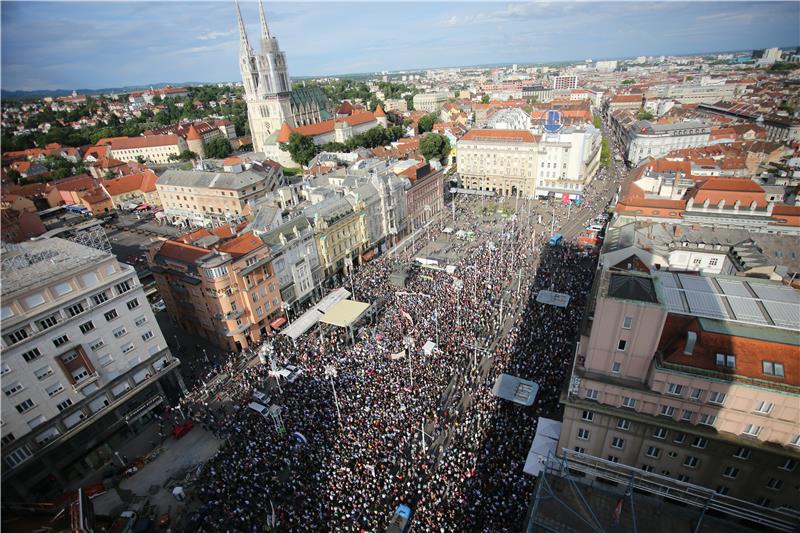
{"x": 552, "y": 123}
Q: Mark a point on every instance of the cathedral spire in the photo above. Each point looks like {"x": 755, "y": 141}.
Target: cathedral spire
{"x": 266, "y": 38}
{"x": 244, "y": 44}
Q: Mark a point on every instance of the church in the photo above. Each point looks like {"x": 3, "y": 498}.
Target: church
{"x": 275, "y": 110}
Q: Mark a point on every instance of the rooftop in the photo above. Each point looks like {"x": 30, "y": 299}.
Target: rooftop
{"x": 630, "y": 286}
{"x": 210, "y": 180}
{"x": 26, "y": 265}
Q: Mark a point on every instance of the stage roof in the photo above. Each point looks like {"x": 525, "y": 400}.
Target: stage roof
{"x": 344, "y": 313}
{"x": 310, "y": 318}
{"x": 514, "y": 389}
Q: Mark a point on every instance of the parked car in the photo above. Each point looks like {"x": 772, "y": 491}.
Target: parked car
{"x": 159, "y": 306}
{"x": 294, "y": 373}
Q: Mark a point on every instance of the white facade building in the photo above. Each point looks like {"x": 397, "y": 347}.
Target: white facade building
{"x": 81, "y": 349}
{"x": 429, "y": 102}
{"x": 646, "y": 139}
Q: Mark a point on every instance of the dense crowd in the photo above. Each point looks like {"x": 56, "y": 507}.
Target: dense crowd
{"x": 418, "y": 427}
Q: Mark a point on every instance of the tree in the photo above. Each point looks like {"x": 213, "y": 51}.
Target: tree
{"x": 183, "y": 156}
{"x": 140, "y": 159}
{"x": 301, "y": 148}
{"x": 334, "y": 147}
{"x": 605, "y": 153}
{"x": 14, "y": 175}
{"x": 434, "y": 146}
{"x": 644, "y": 114}
{"x": 597, "y": 121}
{"x": 627, "y": 82}
{"x": 426, "y": 123}
{"x": 61, "y": 167}
{"x": 108, "y": 175}
{"x": 217, "y": 148}
{"x": 485, "y": 99}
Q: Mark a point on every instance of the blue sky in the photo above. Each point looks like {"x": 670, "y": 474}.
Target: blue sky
{"x": 65, "y": 45}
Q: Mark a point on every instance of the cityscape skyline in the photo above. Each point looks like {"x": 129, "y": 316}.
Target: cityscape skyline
{"x": 37, "y": 55}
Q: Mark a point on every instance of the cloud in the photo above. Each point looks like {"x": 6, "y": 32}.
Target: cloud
{"x": 211, "y": 35}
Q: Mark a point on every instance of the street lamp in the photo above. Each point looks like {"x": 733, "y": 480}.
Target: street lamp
{"x": 408, "y": 340}
{"x": 331, "y": 373}
{"x": 458, "y": 285}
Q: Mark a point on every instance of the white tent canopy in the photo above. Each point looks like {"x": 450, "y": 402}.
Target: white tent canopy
{"x": 545, "y": 443}
{"x": 310, "y": 318}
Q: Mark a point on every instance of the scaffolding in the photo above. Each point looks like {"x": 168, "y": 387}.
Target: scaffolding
{"x": 571, "y": 475}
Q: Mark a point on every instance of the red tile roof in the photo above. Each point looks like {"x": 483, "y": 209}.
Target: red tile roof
{"x": 143, "y": 181}
{"x": 128, "y": 143}
{"x": 326, "y": 126}
{"x": 503, "y": 136}
{"x": 242, "y": 245}
{"x": 178, "y": 251}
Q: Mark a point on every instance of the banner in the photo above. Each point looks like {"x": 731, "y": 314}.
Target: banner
{"x": 398, "y": 355}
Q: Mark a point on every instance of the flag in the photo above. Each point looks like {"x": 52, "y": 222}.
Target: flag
{"x": 407, "y": 317}
{"x": 617, "y": 512}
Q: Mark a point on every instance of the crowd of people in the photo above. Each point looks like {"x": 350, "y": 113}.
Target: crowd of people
{"x": 397, "y": 423}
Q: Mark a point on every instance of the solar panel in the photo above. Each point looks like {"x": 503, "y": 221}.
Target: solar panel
{"x": 706, "y": 304}
{"x": 696, "y": 283}
{"x": 784, "y": 314}
{"x": 674, "y": 300}
{"x": 667, "y": 279}
{"x": 776, "y": 293}
{"x": 734, "y": 287}
{"x": 746, "y": 310}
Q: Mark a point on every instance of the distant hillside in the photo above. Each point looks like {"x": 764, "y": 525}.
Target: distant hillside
{"x": 36, "y": 94}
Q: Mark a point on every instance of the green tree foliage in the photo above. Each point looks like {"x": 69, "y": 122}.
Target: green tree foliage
{"x": 183, "y": 156}
{"x": 781, "y": 66}
{"x": 485, "y": 99}
{"x": 61, "y": 167}
{"x": 301, "y": 148}
{"x": 434, "y": 146}
{"x": 334, "y": 147}
{"x": 644, "y": 115}
{"x": 426, "y": 123}
{"x": 14, "y": 175}
{"x": 217, "y": 148}
{"x": 628, "y": 82}
{"x": 605, "y": 153}
{"x": 597, "y": 121}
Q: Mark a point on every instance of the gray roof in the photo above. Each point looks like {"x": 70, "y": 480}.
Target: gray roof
{"x": 273, "y": 239}
{"x": 631, "y": 287}
{"x": 210, "y": 180}
{"x": 330, "y": 208}
{"x": 29, "y": 264}
{"x": 264, "y": 215}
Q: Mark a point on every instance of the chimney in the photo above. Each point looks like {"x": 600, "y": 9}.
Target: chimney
{"x": 677, "y": 231}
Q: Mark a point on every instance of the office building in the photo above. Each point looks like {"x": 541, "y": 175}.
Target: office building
{"x": 565, "y": 82}
{"x": 429, "y": 102}
{"x": 650, "y": 140}
{"x": 83, "y": 360}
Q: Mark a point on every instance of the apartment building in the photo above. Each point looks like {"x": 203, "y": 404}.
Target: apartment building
{"x": 429, "y": 102}
{"x": 693, "y": 93}
{"x": 83, "y": 359}
{"x": 213, "y": 198}
{"x": 152, "y": 148}
{"x": 398, "y": 105}
{"x": 517, "y": 162}
{"x": 647, "y": 139}
{"x": 565, "y": 82}
{"x": 692, "y": 377}
{"x": 341, "y": 234}
{"x": 221, "y": 288}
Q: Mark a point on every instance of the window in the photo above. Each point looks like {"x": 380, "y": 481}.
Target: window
{"x": 13, "y": 389}
{"x": 627, "y": 322}
{"x": 47, "y": 323}
{"x": 579, "y": 449}
{"x": 592, "y": 394}
{"x": 43, "y": 373}
{"x": 86, "y": 327}
{"x": 96, "y": 344}
{"x": 653, "y": 452}
{"x": 63, "y": 405}
{"x": 31, "y": 355}
{"x": 18, "y": 456}
{"x": 630, "y": 403}
{"x": 613, "y": 458}
{"x": 742, "y": 453}
{"x": 687, "y": 415}
{"x": 751, "y": 430}
{"x": 141, "y": 320}
{"x": 700, "y": 442}
{"x": 123, "y": 287}
{"x": 583, "y": 434}
{"x": 675, "y": 389}
{"x": 727, "y": 361}
{"x": 120, "y": 332}
{"x": 7, "y": 439}
{"x": 713, "y": 261}
{"x": 684, "y": 478}
{"x": 618, "y": 443}
{"x": 691, "y": 461}
{"x": 679, "y": 438}
{"x": 75, "y": 310}
{"x": 624, "y": 424}
{"x": 716, "y": 397}
{"x": 99, "y": 298}
{"x": 774, "y": 484}
{"x": 707, "y": 420}
{"x": 133, "y": 304}
{"x": 25, "y": 406}
{"x": 60, "y": 341}
{"x": 127, "y": 348}
{"x": 660, "y": 433}
{"x": 147, "y": 336}
{"x": 111, "y": 315}
{"x": 763, "y": 502}
{"x": 696, "y": 395}
{"x": 795, "y": 441}
{"x": 80, "y": 374}
{"x": 588, "y": 416}
{"x": 647, "y": 468}
{"x": 667, "y": 410}
{"x": 763, "y": 407}
{"x": 788, "y": 465}
{"x": 16, "y": 336}
{"x": 621, "y": 345}
{"x": 772, "y": 369}
{"x": 54, "y": 389}
{"x": 722, "y": 490}
{"x": 105, "y": 360}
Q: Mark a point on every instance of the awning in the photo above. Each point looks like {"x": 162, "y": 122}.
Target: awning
{"x": 310, "y": 318}
{"x": 344, "y": 313}
{"x": 545, "y": 443}
{"x": 366, "y": 256}
{"x": 278, "y": 322}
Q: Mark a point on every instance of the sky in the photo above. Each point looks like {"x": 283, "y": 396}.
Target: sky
{"x": 69, "y": 45}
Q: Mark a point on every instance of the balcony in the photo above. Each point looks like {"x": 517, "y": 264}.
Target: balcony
{"x": 233, "y": 315}
{"x": 84, "y": 381}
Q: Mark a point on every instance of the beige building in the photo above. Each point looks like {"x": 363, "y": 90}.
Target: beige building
{"x": 519, "y": 163}
{"x": 398, "y": 105}
{"x": 152, "y": 148}
{"x": 211, "y": 198}
{"x": 219, "y": 285}
{"x": 430, "y": 102}
{"x": 692, "y": 377}
{"x": 341, "y": 234}
{"x": 83, "y": 359}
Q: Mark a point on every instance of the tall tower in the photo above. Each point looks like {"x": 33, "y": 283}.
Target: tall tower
{"x": 267, "y": 85}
